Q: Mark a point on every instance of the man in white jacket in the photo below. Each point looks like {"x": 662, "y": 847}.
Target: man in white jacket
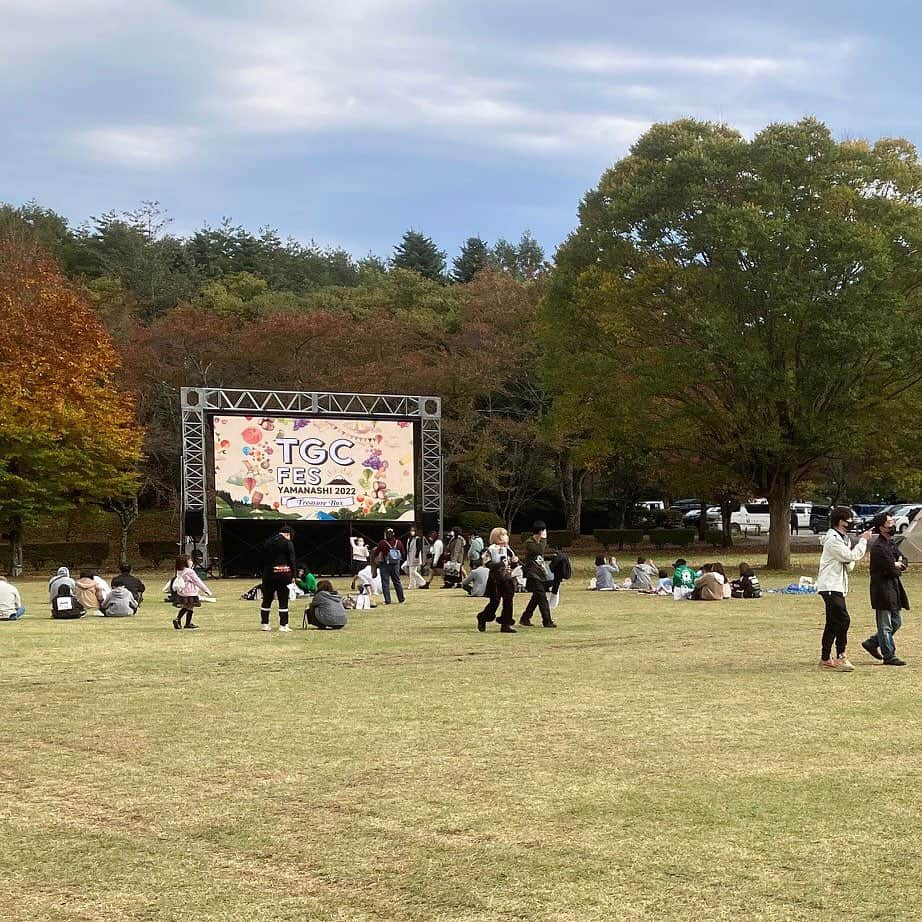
{"x": 837, "y": 561}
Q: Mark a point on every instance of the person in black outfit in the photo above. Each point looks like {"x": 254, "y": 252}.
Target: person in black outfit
{"x": 131, "y": 583}
{"x": 500, "y": 587}
{"x": 536, "y": 576}
{"x": 888, "y": 597}
{"x": 279, "y": 567}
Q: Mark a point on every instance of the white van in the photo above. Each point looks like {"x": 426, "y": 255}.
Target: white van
{"x": 751, "y": 517}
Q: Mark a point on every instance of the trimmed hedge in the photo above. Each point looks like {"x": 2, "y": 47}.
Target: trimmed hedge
{"x": 676, "y": 537}
{"x": 157, "y": 551}
{"x": 72, "y": 554}
{"x": 481, "y": 522}
{"x": 618, "y": 537}
{"x": 562, "y": 538}
{"x": 715, "y": 537}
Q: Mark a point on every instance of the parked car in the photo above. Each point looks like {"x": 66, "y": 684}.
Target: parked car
{"x": 751, "y": 516}
{"x": 686, "y": 504}
{"x": 819, "y": 520}
{"x": 903, "y": 520}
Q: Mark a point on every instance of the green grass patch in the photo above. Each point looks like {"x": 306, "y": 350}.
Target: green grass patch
{"x": 648, "y": 760}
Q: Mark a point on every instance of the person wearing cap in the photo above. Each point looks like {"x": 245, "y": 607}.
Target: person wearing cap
{"x": 279, "y": 569}
{"x": 390, "y": 555}
{"x": 888, "y": 596}
{"x": 537, "y": 576}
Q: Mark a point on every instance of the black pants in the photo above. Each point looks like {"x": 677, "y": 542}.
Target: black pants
{"x": 500, "y": 590}
{"x": 273, "y": 589}
{"x": 837, "y": 622}
{"x": 538, "y": 600}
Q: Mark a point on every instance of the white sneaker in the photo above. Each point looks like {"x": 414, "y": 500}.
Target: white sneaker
{"x": 284, "y": 629}
{"x": 265, "y": 627}
{"x": 843, "y": 665}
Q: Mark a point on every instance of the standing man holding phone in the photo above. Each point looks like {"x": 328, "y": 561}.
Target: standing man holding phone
{"x": 836, "y": 562}
{"x": 888, "y": 597}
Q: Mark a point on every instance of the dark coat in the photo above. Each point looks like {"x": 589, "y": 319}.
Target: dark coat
{"x": 278, "y": 553}
{"x": 887, "y": 592}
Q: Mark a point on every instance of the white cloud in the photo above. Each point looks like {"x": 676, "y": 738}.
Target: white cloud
{"x": 385, "y": 66}
{"x": 139, "y": 146}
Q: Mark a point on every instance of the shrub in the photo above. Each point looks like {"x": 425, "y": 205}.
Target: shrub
{"x": 618, "y": 537}
{"x": 715, "y": 537}
{"x": 157, "y": 551}
{"x": 481, "y": 522}
{"x": 562, "y": 538}
{"x": 678, "y": 537}
{"x": 73, "y": 554}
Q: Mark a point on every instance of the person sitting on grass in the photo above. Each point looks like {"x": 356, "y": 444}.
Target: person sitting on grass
{"x": 369, "y": 583}
{"x": 11, "y": 607}
{"x": 605, "y": 571}
{"x": 304, "y": 583}
{"x": 64, "y": 607}
{"x": 89, "y": 593}
{"x": 719, "y": 569}
{"x": 643, "y": 574}
{"x": 119, "y": 603}
{"x": 664, "y": 586}
{"x": 475, "y": 583}
{"x": 709, "y": 587}
{"x": 61, "y": 578}
{"x": 747, "y": 585}
{"x": 326, "y": 608}
{"x": 130, "y": 582}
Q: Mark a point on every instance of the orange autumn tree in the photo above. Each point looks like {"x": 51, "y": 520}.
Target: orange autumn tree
{"x": 67, "y": 435}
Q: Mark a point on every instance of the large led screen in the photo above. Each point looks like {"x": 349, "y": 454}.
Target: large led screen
{"x": 313, "y": 468}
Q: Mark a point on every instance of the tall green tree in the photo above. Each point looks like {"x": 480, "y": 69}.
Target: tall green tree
{"x": 419, "y": 253}
{"x": 473, "y": 258}
{"x": 756, "y": 300}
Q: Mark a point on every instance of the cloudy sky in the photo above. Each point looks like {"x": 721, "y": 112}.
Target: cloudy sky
{"x": 349, "y": 122}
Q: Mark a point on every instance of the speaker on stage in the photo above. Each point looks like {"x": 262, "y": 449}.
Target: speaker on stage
{"x": 195, "y": 523}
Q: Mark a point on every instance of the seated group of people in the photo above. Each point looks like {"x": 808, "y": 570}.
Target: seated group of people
{"x": 70, "y": 598}
{"x": 708, "y": 584}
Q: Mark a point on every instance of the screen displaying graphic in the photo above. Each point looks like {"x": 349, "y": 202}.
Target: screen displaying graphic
{"x": 313, "y": 468}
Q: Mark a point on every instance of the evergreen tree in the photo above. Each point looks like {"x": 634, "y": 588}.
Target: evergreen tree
{"x": 474, "y": 256}
{"x": 420, "y": 254}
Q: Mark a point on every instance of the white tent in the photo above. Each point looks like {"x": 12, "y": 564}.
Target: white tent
{"x": 911, "y": 545}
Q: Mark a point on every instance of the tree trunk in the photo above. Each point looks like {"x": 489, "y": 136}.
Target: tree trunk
{"x": 16, "y": 547}
{"x": 703, "y": 522}
{"x": 725, "y": 516}
{"x": 779, "y": 537}
{"x": 571, "y": 491}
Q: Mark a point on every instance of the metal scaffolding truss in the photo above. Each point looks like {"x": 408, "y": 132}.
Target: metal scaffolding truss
{"x": 198, "y": 402}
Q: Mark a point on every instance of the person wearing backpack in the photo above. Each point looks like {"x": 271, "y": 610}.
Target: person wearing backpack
{"x": 390, "y": 554}
{"x": 184, "y": 589}
{"x": 64, "y": 606}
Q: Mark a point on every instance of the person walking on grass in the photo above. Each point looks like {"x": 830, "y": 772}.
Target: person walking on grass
{"x": 390, "y": 554}
{"x": 836, "y": 562}
{"x": 279, "y": 569}
{"x": 185, "y": 588}
{"x": 888, "y": 597}
{"x": 537, "y": 576}
{"x": 501, "y": 585}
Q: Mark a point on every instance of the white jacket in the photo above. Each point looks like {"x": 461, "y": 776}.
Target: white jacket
{"x": 837, "y": 561}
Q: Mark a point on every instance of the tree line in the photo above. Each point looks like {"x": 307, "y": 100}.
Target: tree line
{"x": 730, "y": 318}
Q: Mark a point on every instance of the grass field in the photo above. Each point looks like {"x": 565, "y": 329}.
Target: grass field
{"x": 647, "y": 760}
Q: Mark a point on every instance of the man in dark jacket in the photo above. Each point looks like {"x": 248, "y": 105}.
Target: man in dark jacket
{"x": 537, "y": 576}
{"x": 130, "y": 582}
{"x": 279, "y": 568}
{"x": 888, "y": 597}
